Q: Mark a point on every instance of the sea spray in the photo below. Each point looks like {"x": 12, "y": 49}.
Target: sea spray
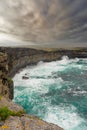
{"x": 55, "y": 91}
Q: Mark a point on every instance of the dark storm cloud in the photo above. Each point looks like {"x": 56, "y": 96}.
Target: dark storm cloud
{"x": 45, "y": 20}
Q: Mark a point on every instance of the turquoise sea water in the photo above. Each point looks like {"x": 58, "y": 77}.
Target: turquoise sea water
{"x": 55, "y": 91}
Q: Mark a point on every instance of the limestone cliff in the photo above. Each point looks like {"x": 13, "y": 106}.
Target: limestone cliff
{"x": 21, "y": 57}
{"x": 12, "y": 116}
{"x": 13, "y": 59}
{"x": 6, "y": 84}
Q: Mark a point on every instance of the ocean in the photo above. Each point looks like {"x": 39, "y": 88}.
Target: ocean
{"x": 55, "y": 91}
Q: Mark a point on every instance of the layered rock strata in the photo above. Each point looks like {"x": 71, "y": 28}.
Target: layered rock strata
{"x": 11, "y": 60}
{"x": 6, "y": 84}
{"x": 21, "y": 57}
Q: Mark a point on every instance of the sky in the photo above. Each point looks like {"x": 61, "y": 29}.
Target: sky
{"x": 46, "y": 23}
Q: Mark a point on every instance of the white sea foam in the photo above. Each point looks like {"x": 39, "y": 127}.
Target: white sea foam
{"x": 41, "y": 77}
{"x": 79, "y": 92}
{"x": 64, "y": 116}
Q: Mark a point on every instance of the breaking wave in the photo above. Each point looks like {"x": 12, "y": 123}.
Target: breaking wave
{"x": 55, "y": 91}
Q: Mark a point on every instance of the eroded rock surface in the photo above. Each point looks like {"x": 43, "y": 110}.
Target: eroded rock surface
{"x": 28, "y": 123}
{"x": 10, "y": 61}
{"x": 6, "y": 84}
{"x": 11, "y": 105}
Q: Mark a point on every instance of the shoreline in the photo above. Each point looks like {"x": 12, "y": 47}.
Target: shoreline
{"x": 19, "y": 58}
{"x": 23, "y": 58}
{"x": 14, "y": 59}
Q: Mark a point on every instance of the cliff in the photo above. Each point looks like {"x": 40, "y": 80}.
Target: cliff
{"x": 11, "y": 60}
{"x": 12, "y": 116}
{"x": 21, "y": 57}
{"x": 6, "y": 84}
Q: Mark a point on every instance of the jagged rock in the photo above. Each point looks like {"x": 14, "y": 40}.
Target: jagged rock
{"x": 24, "y": 122}
{"x": 29, "y": 123}
{"x": 25, "y": 77}
{"x": 11, "y": 105}
{"x": 6, "y": 84}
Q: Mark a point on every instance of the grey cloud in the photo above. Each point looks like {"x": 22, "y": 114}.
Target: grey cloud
{"x": 58, "y": 21}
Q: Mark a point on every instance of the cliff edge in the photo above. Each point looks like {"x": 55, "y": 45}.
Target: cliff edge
{"x": 12, "y": 116}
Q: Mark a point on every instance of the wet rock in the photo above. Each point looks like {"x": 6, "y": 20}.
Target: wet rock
{"x": 25, "y": 77}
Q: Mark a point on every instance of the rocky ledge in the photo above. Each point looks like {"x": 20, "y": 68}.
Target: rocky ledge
{"x": 26, "y": 122}
{"x": 13, "y": 117}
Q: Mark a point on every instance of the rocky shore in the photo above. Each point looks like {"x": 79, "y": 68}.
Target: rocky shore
{"x": 21, "y": 57}
{"x": 11, "y": 61}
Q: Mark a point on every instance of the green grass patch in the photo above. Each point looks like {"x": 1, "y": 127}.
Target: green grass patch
{"x": 0, "y": 97}
{"x": 5, "y": 113}
{"x": 10, "y": 80}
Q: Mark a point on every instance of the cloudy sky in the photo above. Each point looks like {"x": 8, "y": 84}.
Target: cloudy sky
{"x": 51, "y": 23}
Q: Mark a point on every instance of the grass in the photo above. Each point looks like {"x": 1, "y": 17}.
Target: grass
{"x": 5, "y": 113}
{"x": 10, "y": 80}
{"x": 0, "y": 97}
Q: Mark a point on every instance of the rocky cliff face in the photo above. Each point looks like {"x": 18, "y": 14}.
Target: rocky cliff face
{"x": 12, "y": 116}
{"x": 13, "y": 59}
{"x": 21, "y": 57}
{"x": 6, "y": 84}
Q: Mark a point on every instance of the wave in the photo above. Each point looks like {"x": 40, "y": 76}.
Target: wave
{"x": 65, "y": 116}
{"x": 55, "y": 91}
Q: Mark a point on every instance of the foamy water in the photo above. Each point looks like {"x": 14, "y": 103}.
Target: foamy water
{"x": 55, "y": 91}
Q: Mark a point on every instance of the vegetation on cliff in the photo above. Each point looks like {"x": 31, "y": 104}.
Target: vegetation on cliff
{"x": 5, "y": 113}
